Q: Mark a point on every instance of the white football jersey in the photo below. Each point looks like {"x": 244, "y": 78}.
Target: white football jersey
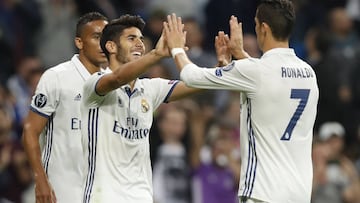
{"x": 279, "y": 96}
{"x": 116, "y": 139}
{"x": 58, "y": 96}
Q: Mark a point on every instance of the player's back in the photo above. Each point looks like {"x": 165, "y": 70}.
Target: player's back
{"x": 277, "y": 129}
{"x": 58, "y": 97}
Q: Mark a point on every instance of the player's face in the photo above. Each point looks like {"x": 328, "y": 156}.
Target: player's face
{"x": 131, "y": 45}
{"x": 90, "y": 38}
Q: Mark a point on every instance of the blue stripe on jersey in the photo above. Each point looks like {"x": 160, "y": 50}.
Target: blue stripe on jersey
{"x": 252, "y": 157}
{"x": 48, "y": 143}
{"x": 170, "y": 92}
{"x": 38, "y": 112}
{"x": 92, "y": 143}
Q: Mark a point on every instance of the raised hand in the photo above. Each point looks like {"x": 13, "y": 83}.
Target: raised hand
{"x": 161, "y": 47}
{"x": 174, "y": 32}
{"x": 222, "y": 51}
{"x": 236, "y": 44}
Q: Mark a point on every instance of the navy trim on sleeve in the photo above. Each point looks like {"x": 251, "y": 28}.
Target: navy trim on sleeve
{"x": 38, "y": 112}
{"x": 170, "y": 92}
{"x": 96, "y": 85}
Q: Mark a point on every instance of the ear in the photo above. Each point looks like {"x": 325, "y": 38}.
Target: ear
{"x": 111, "y": 47}
{"x": 266, "y": 28}
{"x": 78, "y": 43}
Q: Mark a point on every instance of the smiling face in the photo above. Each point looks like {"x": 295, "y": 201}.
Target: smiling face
{"x": 89, "y": 42}
{"x": 131, "y": 45}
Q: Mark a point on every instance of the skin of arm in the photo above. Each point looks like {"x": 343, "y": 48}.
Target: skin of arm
{"x": 34, "y": 125}
{"x": 127, "y": 72}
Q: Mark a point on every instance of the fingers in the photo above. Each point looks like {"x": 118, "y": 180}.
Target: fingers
{"x": 166, "y": 28}
{"x": 221, "y": 39}
{"x": 174, "y": 23}
{"x": 184, "y": 36}
{"x": 226, "y": 39}
{"x": 175, "y": 36}
{"x": 179, "y": 23}
{"x": 218, "y": 39}
{"x": 234, "y": 25}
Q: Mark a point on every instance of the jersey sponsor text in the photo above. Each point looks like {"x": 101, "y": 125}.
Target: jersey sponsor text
{"x": 129, "y": 133}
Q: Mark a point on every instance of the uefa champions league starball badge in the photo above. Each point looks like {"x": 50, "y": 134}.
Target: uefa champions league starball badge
{"x": 144, "y": 106}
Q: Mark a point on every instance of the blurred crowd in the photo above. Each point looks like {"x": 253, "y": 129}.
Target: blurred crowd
{"x": 194, "y": 142}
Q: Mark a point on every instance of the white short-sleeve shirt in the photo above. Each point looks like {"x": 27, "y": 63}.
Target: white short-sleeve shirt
{"x": 116, "y": 139}
{"x": 58, "y": 96}
{"x": 279, "y": 96}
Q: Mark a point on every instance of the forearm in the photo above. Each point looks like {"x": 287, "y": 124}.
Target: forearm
{"x": 181, "y": 60}
{"x": 130, "y": 71}
{"x": 32, "y": 149}
{"x": 126, "y": 73}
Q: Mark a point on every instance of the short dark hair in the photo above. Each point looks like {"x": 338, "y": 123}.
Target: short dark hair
{"x": 86, "y": 18}
{"x": 279, "y": 15}
{"x": 115, "y": 28}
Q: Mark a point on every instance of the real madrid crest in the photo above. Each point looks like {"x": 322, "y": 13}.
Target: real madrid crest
{"x": 144, "y": 106}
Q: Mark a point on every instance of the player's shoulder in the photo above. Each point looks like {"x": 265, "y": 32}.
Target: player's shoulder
{"x": 250, "y": 61}
{"x": 150, "y": 81}
{"x": 63, "y": 67}
{"x": 154, "y": 83}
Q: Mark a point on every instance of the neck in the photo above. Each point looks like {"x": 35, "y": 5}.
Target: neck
{"x": 88, "y": 65}
{"x": 272, "y": 44}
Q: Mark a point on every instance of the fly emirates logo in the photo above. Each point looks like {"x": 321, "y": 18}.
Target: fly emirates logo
{"x": 131, "y": 132}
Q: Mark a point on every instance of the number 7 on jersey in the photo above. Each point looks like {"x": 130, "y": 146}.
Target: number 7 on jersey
{"x": 303, "y": 95}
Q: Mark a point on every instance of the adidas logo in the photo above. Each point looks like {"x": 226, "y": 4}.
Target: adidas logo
{"x": 77, "y": 97}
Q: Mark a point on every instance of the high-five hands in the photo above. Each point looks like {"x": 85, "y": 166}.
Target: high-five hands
{"x": 161, "y": 47}
{"x": 236, "y": 43}
{"x": 174, "y": 32}
{"x": 222, "y": 51}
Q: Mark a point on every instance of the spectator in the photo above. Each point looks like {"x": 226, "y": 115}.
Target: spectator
{"x": 335, "y": 177}
{"x": 22, "y": 86}
{"x": 171, "y": 177}
{"x": 216, "y": 169}
{"x": 15, "y": 173}
{"x": 55, "y": 38}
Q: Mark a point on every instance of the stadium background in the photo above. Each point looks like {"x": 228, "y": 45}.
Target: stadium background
{"x": 38, "y": 34}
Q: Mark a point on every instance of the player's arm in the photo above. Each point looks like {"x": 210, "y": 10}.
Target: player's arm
{"x": 181, "y": 90}
{"x": 131, "y": 70}
{"x": 34, "y": 124}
